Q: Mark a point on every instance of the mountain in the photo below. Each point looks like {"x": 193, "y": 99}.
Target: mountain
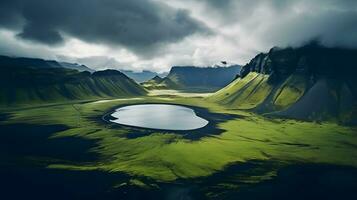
{"x": 76, "y": 66}
{"x": 29, "y": 83}
{"x": 309, "y": 83}
{"x": 40, "y": 63}
{"x": 154, "y": 84}
{"x": 142, "y": 76}
{"x": 190, "y": 78}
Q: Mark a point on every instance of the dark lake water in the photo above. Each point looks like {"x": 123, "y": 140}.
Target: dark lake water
{"x": 159, "y": 116}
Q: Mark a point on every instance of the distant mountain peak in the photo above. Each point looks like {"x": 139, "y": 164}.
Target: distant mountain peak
{"x": 108, "y": 72}
{"x": 142, "y": 76}
{"x": 157, "y": 78}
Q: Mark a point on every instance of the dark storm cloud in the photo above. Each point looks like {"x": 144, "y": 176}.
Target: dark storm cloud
{"x": 292, "y": 22}
{"x": 138, "y": 25}
{"x": 337, "y": 30}
{"x": 156, "y": 34}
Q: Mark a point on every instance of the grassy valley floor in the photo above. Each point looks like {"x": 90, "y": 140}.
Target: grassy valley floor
{"x": 69, "y": 149}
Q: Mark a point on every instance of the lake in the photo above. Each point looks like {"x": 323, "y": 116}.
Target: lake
{"x": 159, "y": 116}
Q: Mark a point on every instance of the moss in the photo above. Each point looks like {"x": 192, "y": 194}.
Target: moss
{"x": 232, "y": 88}
{"x": 139, "y": 183}
{"x": 291, "y": 91}
{"x": 166, "y": 157}
{"x": 246, "y": 93}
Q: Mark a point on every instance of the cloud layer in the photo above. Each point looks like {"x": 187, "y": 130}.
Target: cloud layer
{"x": 137, "y": 25}
{"x": 155, "y": 34}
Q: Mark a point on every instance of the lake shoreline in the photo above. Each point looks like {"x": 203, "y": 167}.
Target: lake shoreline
{"x": 196, "y": 134}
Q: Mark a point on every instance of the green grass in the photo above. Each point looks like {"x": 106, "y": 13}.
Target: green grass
{"x": 166, "y": 157}
{"x": 290, "y": 91}
{"x": 246, "y": 93}
{"x": 232, "y": 88}
{"x": 45, "y": 88}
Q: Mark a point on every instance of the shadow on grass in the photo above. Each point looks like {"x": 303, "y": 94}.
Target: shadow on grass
{"x": 23, "y": 179}
{"x": 296, "y": 181}
{"x": 30, "y": 140}
{"x": 29, "y": 182}
{"x": 26, "y": 150}
{"x": 4, "y": 116}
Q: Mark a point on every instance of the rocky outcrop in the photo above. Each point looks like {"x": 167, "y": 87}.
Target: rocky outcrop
{"x": 311, "y": 60}
{"x": 307, "y": 83}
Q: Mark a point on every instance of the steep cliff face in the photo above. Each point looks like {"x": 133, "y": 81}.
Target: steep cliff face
{"x": 311, "y": 60}
{"x": 310, "y": 82}
{"x": 200, "y": 78}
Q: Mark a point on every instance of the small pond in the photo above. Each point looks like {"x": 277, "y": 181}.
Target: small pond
{"x": 158, "y": 116}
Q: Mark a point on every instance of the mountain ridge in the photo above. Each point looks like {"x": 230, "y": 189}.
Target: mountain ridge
{"x": 193, "y": 79}
{"x": 7, "y": 61}
{"x": 308, "y": 83}
{"x": 142, "y": 76}
{"x": 33, "y": 85}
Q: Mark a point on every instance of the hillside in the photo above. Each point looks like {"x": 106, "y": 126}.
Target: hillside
{"x": 76, "y": 66}
{"x": 29, "y": 85}
{"x": 14, "y": 62}
{"x": 190, "y": 78}
{"x": 310, "y": 83}
{"x": 142, "y": 76}
{"x": 154, "y": 84}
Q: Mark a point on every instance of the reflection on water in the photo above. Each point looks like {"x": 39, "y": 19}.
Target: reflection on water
{"x": 159, "y": 116}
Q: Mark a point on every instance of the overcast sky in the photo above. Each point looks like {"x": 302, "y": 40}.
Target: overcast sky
{"x": 157, "y": 34}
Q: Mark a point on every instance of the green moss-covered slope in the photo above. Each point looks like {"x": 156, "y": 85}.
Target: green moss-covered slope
{"x": 26, "y": 85}
{"x": 155, "y": 83}
{"x": 308, "y": 83}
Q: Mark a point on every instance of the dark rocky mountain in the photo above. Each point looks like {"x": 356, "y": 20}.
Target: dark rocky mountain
{"x": 157, "y": 79}
{"x": 6, "y": 61}
{"x": 76, "y": 66}
{"x": 190, "y": 78}
{"x": 142, "y": 76}
{"x": 312, "y": 60}
{"x": 311, "y": 82}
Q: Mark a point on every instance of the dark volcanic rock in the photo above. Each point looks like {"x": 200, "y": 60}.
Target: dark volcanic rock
{"x": 311, "y": 82}
{"x": 312, "y": 60}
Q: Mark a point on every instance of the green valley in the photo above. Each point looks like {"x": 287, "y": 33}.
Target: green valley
{"x": 178, "y": 100}
{"x": 154, "y": 158}
{"x": 280, "y": 126}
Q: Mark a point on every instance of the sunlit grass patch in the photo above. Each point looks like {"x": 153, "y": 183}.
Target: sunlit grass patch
{"x": 168, "y": 156}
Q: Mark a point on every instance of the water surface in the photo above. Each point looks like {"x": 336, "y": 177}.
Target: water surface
{"x": 159, "y": 116}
